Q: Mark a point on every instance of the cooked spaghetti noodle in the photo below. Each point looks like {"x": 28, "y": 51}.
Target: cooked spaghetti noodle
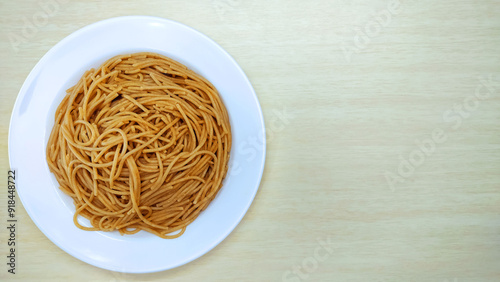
{"x": 141, "y": 143}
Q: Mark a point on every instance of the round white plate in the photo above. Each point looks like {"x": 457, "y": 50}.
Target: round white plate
{"x": 33, "y": 118}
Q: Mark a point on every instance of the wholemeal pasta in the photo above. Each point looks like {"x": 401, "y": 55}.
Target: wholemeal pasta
{"x": 140, "y": 143}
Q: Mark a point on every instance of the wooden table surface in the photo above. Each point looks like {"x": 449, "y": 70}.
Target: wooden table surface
{"x": 383, "y": 159}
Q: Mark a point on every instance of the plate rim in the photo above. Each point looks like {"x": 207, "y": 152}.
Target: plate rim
{"x": 35, "y": 71}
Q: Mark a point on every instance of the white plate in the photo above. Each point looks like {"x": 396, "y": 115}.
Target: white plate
{"x": 33, "y": 118}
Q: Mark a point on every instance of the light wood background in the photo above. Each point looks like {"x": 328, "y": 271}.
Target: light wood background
{"x": 359, "y": 97}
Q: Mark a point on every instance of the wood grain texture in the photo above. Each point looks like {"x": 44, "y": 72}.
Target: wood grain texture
{"x": 361, "y": 84}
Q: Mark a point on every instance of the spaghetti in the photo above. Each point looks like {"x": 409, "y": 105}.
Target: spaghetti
{"x": 141, "y": 143}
